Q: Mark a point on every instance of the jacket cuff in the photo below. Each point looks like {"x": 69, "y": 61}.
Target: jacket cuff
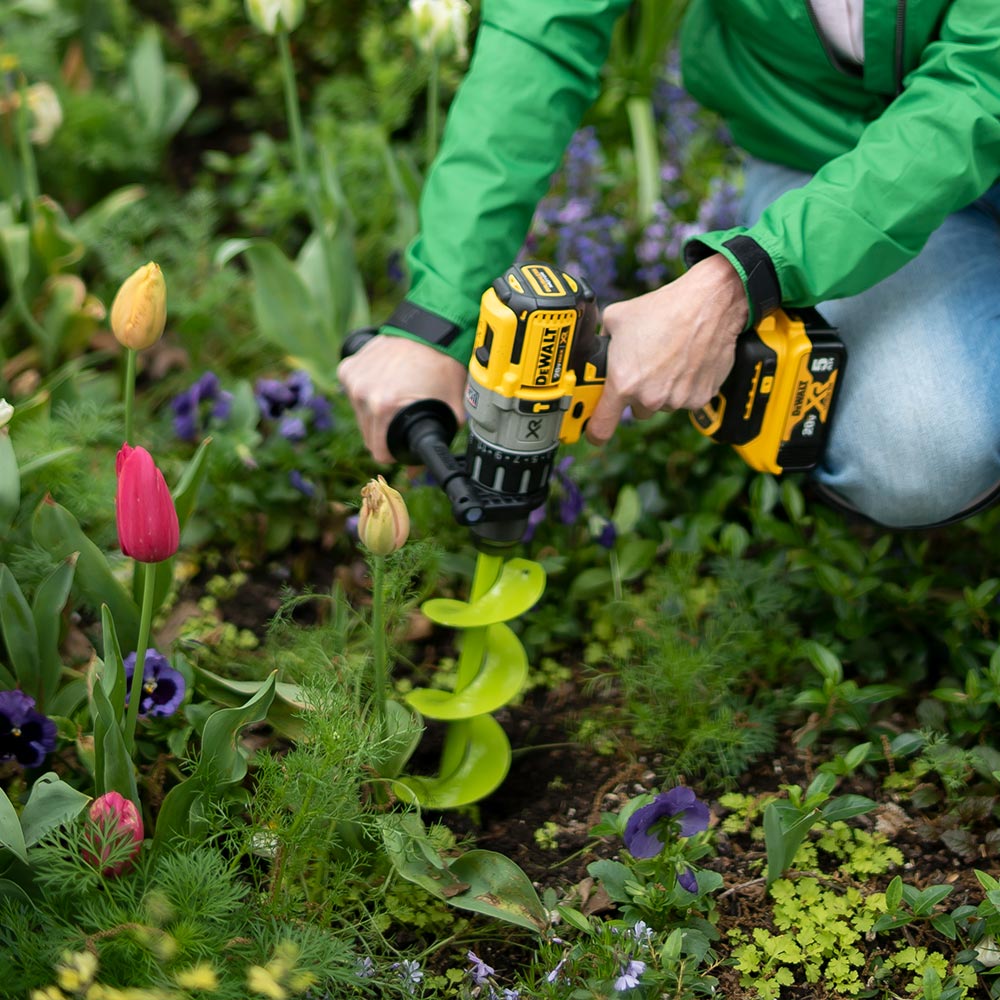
{"x": 451, "y": 332}
{"x": 752, "y": 263}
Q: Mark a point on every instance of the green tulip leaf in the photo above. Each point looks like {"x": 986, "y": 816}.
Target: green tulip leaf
{"x": 285, "y": 713}
{"x": 520, "y": 584}
{"x": 113, "y": 672}
{"x": 11, "y": 835}
{"x": 46, "y": 610}
{"x": 19, "y": 635}
{"x": 500, "y": 679}
{"x": 113, "y": 767}
{"x": 57, "y": 531}
{"x": 482, "y": 881}
{"x": 481, "y": 752}
{"x": 222, "y": 761}
{"x": 52, "y": 803}
{"x": 10, "y": 484}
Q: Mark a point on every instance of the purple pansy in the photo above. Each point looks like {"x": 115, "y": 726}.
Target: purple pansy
{"x": 300, "y": 483}
{"x": 680, "y": 803}
{"x": 26, "y": 735}
{"x": 163, "y": 688}
{"x": 294, "y": 404}
{"x": 191, "y": 406}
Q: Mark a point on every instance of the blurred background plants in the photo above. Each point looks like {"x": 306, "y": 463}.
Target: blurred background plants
{"x": 711, "y": 617}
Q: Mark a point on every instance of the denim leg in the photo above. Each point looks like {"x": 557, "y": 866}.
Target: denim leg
{"x": 916, "y": 435}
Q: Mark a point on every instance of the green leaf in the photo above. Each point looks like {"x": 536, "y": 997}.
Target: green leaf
{"x": 19, "y": 634}
{"x": 575, "y": 919}
{"x": 46, "y": 610}
{"x": 785, "y": 827}
{"x": 845, "y": 806}
{"x": 481, "y": 881}
{"x": 824, "y": 660}
{"x": 520, "y": 584}
{"x": 11, "y": 835}
{"x": 112, "y": 677}
{"x": 894, "y": 894}
{"x": 57, "y": 531}
{"x": 628, "y": 510}
{"x": 113, "y": 767}
{"x": 403, "y": 731}
{"x": 10, "y": 484}
{"x": 930, "y": 897}
{"x": 286, "y": 313}
{"x": 286, "y": 710}
{"x": 500, "y": 679}
{"x": 591, "y": 582}
{"x": 482, "y": 752}
{"x": 613, "y": 876}
{"x": 636, "y": 556}
{"x": 222, "y": 762}
{"x": 51, "y": 804}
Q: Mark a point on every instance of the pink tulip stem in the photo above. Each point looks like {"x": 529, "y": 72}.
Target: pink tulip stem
{"x": 129, "y": 393}
{"x": 145, "y": 623}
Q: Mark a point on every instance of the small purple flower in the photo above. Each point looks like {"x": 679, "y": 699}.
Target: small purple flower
{"x": 679, "y": 802}
{"x": 608, "y": 535}
{"x": 480, "y": 971}
{"x": 188, "y": 408}
{"x": 163, "y": 688}
{"x": 629, "y": 978}
{"x": 535, "y": 518}
{"x": 554, "y": 974}
{"x": 410, "y": 973}
{"x": 686, "y": 880}
{"x": 365, "y": 968}
{"x": 294, "y": 404}
{"x": 300, "y": 483}
{"x": 26, "y": 735}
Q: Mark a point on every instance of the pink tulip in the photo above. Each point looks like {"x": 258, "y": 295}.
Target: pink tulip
{"x": 148, "y": 529}
{"x": 114, "y": 834}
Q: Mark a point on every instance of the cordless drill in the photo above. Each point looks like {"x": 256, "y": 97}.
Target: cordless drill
{"x": 536, "y": 374}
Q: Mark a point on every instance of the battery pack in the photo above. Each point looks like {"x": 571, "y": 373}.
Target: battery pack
{"x": 777, "y": 402}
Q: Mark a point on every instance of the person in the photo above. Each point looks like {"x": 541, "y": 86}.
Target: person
{"x": 872, "y": 130}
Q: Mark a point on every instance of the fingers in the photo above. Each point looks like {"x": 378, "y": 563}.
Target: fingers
{"x": 606, "y": 416}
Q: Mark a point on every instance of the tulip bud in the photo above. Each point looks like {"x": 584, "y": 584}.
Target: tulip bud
{"x": 113, "y": 833}
{"x": 6, "y": 412}
{"x": 139, "y": 311}
{"x": 46, "y": 112}
{"x": 148, "y": 529}
{"x": 441, "y": 26}
{"x": 384, "y": 522}
{"x": 272, "y": 16}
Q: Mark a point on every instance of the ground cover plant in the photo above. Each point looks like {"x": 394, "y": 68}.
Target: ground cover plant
{"x": 267, "y": 729}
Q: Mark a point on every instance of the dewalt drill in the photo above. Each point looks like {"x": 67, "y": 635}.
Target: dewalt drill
{"x": 537, "y": 371}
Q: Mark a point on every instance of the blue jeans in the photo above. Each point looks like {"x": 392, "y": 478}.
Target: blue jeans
{"x": 916, "y": 434}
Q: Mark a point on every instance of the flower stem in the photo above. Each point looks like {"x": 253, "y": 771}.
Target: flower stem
{"x": 129, "y": 394}
{"x": 378, "y": 641}
{"x": 145, "y": 622}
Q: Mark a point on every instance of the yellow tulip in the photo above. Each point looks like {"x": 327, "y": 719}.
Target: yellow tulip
{"x": 384, "y": 522}
{"x": 139, "y": 311}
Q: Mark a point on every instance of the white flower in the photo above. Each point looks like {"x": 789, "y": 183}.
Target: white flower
{"x": 43, "y": 103}
{"x": 441, "y": 26}
{"x": 988, "y": 953}
{"x": 273, "y": 15}
{"x": 6, "y": 412}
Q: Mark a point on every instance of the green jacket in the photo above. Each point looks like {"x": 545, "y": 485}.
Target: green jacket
{"x": 895, "y": 148}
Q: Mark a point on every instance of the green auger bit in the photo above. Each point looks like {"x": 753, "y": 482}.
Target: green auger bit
{"x": 492, "y": 669}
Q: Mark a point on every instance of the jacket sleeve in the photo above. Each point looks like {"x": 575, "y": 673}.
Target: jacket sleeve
{"x": 864, "y": 214}
{"x": 534, "y": 72}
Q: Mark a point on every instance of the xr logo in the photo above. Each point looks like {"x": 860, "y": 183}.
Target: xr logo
{"x": 534, "y": 428}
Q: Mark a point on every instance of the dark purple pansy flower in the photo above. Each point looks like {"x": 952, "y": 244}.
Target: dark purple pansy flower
{"x": 322, "y": 413}
{"x": 273, "y": 397}
{"x": 187, "y": 406}
{"x": 292, "y": 428}
{"x": 680, "y": 803}
{"x": 163, "y": 687}
{"x": 294, "y": 404}
{"x": 26, "y": 735}
{"x": 607, "y": 535}
{"x": 687, "y": 880}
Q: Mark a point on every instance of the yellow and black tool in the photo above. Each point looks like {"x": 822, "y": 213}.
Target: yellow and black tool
{"x": 776, "y": 404}
{"x": 536, "y": 374}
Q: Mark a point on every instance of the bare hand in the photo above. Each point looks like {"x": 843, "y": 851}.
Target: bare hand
{"x": 391, "y": 372}
{"x": 672, "y": 348}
